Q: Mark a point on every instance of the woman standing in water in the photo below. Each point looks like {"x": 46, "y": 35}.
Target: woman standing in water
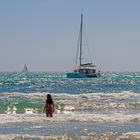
{"x": 49, "y": 106}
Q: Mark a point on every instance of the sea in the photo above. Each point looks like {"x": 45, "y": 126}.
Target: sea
{"x": 31, "y": 82}
{"x": 18, "y": 88}
{"x": 83, "y": 106}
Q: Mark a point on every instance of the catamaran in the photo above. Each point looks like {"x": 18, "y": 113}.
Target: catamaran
{"x": 83, "y": 69}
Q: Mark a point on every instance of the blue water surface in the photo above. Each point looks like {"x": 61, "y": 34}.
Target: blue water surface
{"x": 31, "y": 82}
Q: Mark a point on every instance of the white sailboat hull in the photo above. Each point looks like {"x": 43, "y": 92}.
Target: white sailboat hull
{"x": 82, "y": 75}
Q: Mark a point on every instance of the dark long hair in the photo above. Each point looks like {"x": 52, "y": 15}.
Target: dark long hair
{"x": 49, "y": 99}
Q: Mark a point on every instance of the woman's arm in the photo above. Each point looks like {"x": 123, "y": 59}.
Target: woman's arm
{"x": 53, "y": 106}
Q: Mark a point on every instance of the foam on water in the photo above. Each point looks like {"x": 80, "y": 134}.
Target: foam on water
{"x": 99, "y": 126}
{"x": 114, "y": 97}
{"x": 126, "y": 102}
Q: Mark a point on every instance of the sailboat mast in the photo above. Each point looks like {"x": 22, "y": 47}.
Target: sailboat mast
{"x": 81, "y": 26}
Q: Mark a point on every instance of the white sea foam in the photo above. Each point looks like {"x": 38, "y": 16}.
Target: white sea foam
{"x": 115, "y": 105}
{"x": 70, "y": 117}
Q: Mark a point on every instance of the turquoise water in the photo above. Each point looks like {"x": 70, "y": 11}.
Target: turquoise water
{"x": 28, "y": 90}
{"x": 111, "y": 95}
{"x": 58, "y": 83}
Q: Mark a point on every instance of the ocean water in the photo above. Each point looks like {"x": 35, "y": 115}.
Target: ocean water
{"x": 82, "y": 106}
{"x": 58, "y": 83}
{"x": 28, "y": 90}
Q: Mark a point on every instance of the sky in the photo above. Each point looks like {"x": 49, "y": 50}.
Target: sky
{"x": 43, "y": 34}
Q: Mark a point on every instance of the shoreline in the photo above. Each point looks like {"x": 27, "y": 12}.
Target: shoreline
{"x": 37, "y": 126}
{"x": 91, "y": 136}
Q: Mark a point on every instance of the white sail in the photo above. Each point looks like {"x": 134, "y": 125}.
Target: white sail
{"x": 82, "y": 70}
{"x": 25, "y": 69}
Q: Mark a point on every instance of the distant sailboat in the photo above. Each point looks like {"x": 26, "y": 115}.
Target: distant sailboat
{"x": 83, "y": 69}
{"x": 25, "y": 69}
